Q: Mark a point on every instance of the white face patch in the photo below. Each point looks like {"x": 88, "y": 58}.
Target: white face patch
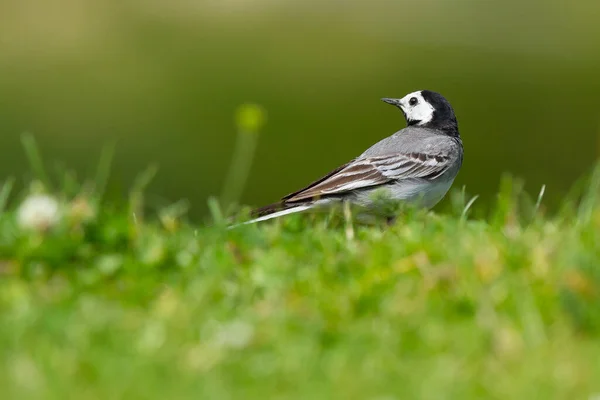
{"x": 422, "y": 111}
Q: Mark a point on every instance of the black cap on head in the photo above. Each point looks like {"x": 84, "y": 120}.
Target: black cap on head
{"x": 443, "y": 115}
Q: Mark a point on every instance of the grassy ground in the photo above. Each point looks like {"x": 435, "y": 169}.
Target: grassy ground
{"x": 102, "y": 300}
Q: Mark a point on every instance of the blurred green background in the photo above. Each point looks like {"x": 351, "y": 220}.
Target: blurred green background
{"x": 164, "y": 79}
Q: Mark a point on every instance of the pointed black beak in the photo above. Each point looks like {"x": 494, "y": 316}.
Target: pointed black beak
{"x": 394, "y": 102}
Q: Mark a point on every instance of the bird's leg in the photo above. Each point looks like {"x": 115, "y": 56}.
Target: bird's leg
{"x": 390, "y": 220}
{"x": 348, "y": 219}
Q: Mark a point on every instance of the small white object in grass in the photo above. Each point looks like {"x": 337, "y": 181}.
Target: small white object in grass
{"x": 38, "y": 212}
{"x": 235, "y": 334}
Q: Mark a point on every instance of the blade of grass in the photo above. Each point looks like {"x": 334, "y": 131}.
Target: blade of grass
{"x": 215, "y": 211}
{"x": 177, "y": 209}
{"x": 144, "y": 179}
{"x": 463, "y": 215}
{"x": 103, "y": 170}
{"x": 540, "y": 197}
{"x": 590, "y": 197}
{"x": 5, "y": 193}
{"x": 136, "y": 195}
{"x": 249, "y": 119}
{"x": 35, "y": 159}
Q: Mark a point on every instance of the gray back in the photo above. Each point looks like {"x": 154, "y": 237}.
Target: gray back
{"x": 415, "y": 140}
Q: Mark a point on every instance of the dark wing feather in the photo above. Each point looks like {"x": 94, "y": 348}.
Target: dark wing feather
{"x": 372, "y": 171}
{"x": 271, "y": 208}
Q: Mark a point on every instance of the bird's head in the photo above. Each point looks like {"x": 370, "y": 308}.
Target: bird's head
{"x": 426, "y": 109}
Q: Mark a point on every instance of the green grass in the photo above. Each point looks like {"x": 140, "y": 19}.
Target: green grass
{"x": 103, "y": 305}
{"x": 113, "y": 302}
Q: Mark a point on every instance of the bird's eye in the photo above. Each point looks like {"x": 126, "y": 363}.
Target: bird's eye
{"x": 413, "y": 101}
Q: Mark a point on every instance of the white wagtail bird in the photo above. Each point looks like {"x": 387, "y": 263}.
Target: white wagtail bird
{"x": 416, "y": 164}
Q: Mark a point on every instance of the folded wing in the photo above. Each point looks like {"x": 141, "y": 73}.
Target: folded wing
{"x": 366, "y": 172}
